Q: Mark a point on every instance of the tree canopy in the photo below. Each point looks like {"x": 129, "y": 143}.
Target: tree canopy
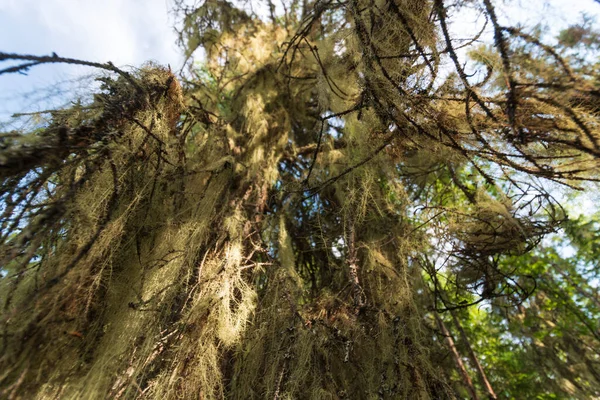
{"x": 332, "y": 200}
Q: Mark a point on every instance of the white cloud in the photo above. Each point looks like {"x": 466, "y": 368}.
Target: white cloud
{"x": 123, "y": 31}
{"x": 126, "y": 32}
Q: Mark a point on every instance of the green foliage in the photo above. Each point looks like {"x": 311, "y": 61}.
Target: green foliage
{"x": 545, "y": 348}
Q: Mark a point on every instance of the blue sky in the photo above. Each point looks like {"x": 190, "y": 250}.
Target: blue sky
{"x": 126, "y": 32}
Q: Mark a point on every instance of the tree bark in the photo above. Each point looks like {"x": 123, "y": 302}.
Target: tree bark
{"x": 484, "y": 380}
{"x": 459, "y": 363}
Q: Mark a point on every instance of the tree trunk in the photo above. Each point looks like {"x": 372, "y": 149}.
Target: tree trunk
{"x": 484, "y": 380}
{"x": 457, "y": 359}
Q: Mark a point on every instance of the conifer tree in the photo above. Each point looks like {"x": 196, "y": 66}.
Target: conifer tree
{"x": 317, "y": 209}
